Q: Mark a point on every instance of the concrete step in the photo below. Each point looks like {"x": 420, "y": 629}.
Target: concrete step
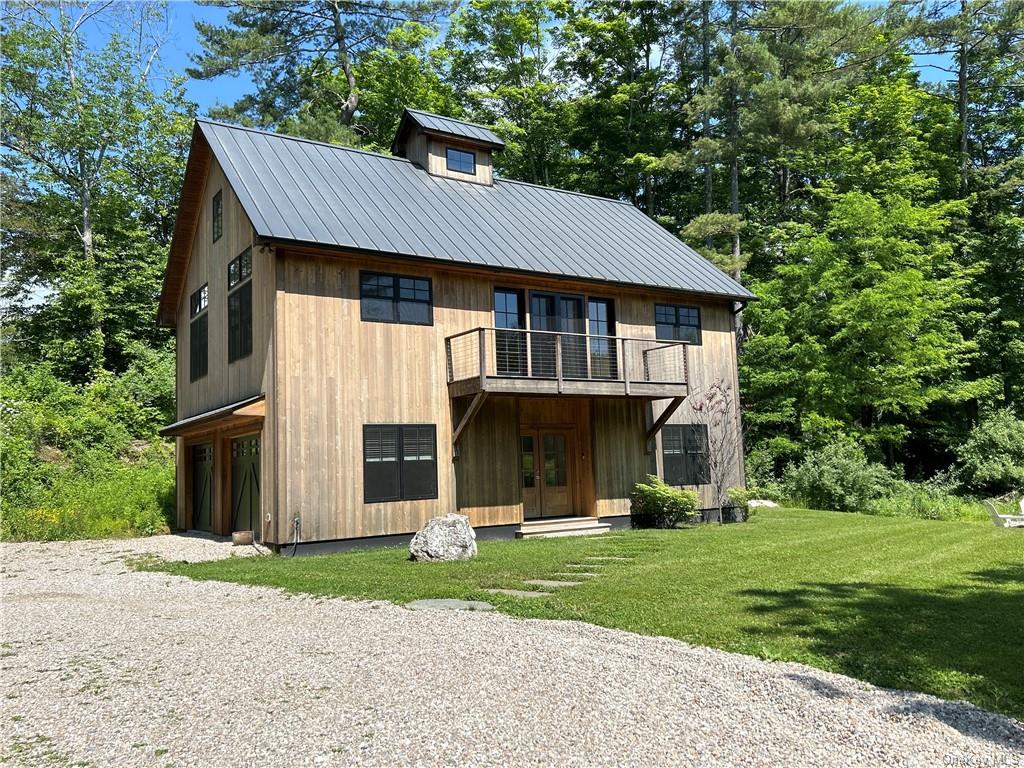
{"x": 551, "y": 533}
{"x": 558, "y": 523}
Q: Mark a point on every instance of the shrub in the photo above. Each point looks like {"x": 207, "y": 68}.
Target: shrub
{"x": 762, "y": 482}
{"x": 838, "y": 477}
{"x": 992, "y": 457}
{"x": 933, "y": 499}
{"x": 80, "y": 461}
{"x": 655, "y": 504}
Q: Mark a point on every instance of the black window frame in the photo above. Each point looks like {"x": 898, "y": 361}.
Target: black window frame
{"x": 199, "y": 333}
{"x": 217, "y": 215}
{"x": 239, "y": 307}
{"x": 511, "y": 347}
{"x": 396, "y": 297}
{"x": 677, "y": 324}
{"x": 689, "y": 442}
{"x": 460, "y": 151}
{"x": 404, "y": 436}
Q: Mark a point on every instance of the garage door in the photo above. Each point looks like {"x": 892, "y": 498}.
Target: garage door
{"x": 245, "y": 485}
{"x": 202, "y": 487}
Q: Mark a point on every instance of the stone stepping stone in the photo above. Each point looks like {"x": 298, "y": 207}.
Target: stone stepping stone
{"x": 607, "y": 557}
{"x": 449, "y": 604}
{"x": 551, "y": 583}
{"x": 518, "y": 593}
{"x": 584, "y": 565}
{"x": 579, "y": 575}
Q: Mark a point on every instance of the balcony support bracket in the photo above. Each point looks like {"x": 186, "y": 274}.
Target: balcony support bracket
{"x": 663, "y": 419}
{"x": 474, "y": 407}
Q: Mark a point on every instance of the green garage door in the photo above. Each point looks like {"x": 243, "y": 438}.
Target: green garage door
{"x": 245, "y": 485}
{"x": 202, "y": 487}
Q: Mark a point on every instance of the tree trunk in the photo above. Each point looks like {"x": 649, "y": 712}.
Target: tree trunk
{"x": 734, "y": 163}
{"x": 962, "y": 103}
{"x": 348, "y": 107}
{"x": 706, "y": 117}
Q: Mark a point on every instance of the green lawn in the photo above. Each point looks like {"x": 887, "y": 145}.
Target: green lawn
{"x": 925, "y": 605}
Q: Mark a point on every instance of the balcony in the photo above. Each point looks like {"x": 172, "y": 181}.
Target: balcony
{"x": 519, "y": 362}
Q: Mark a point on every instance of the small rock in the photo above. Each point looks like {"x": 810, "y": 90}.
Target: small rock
{"x": 448, "y": 604}
{"x": 444, "y": 538}
{"x": 518, "y": 593}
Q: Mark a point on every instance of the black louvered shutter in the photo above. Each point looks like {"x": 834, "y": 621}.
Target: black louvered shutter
{"x": 419, "y": 462}
{"x": 381, "y": 471}
{"x": 672, "y": 457}
{"x": 698, "y": 469}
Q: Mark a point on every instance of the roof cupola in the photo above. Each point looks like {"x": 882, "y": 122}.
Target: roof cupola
{"x": 447, "y": 147}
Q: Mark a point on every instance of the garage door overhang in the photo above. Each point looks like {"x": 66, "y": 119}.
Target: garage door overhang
{"x": 250, "y": 411}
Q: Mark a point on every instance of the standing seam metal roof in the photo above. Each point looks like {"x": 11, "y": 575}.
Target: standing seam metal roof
{"x": 305, "y": 191}
{"x": 431, "y": 122}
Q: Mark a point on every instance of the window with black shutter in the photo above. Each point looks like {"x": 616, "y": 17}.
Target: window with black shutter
{"x": 385, "y": 298}
{"x": 198, "y": 333}
{"x": 673, "y": 322}
{"x": 240, "y": 306}
{"x": 399, "y": 462}
{"x": 684, "y": 454}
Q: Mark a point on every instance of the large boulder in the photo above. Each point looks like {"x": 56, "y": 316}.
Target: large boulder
{"x": 754, "y": 503}
{"x": 444, "y": 538}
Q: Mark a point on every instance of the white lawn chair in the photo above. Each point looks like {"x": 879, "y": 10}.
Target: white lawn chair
{"x": 1004, "y": 521}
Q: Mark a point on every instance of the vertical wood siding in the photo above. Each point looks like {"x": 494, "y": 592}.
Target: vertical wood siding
{"x": 336, "y": 373}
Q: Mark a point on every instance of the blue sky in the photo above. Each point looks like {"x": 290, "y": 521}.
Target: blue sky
{"x": 182, "y": 41}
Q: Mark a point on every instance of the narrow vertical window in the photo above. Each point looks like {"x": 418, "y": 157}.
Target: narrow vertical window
{"x": 198, "y": 334}
{"x": 510, "y": 338}
{"x": 601, "y": 325}
{"x": 218, "y": 215}
{"x": 240, "y": 306}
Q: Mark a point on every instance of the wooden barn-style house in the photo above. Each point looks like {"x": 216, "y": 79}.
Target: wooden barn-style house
{"x": 368, "y": 341}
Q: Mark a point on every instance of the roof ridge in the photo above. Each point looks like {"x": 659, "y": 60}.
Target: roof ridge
{"x": 289, "y": 137}
{"x": 565, "y": 191}
{"x": 382, "y": 156}
{"x": 448, "y": 117}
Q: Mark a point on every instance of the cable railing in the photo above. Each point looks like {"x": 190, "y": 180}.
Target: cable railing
{"x": 486, "y": 353}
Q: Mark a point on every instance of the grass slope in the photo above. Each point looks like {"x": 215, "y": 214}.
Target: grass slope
{"x": 928, "y": 606}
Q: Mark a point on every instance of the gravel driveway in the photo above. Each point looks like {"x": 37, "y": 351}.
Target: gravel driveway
{"x": 109, "y": 667}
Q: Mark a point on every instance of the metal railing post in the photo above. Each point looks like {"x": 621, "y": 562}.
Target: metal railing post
{"x": 483, "y": 358}
{"x": 625, "y": 363}
{"x": 448, "y": 358}
{"x": 558, "y": 360}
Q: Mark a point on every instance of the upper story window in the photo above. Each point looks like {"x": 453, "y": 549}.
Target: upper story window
{"x": 198, "y": 333}
{"x": 385, "y": 298}
{"x": 674, "y": 322}
{"x": 460, "y": 161}
{"x": 240, "y": 306}
{"x": 218, "y": 215}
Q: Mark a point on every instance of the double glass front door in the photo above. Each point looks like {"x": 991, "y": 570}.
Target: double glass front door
{"x": 546, "y": 464}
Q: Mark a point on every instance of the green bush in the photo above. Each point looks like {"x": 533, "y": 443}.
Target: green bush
{"x": 933, "y": 499}
{"x": 992, "y": 457}
{"x": 838, "y": 477}
{"x": 655, "y": 504}
{"x": 762, "y": 482}
{"x": 80, "y": 461}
